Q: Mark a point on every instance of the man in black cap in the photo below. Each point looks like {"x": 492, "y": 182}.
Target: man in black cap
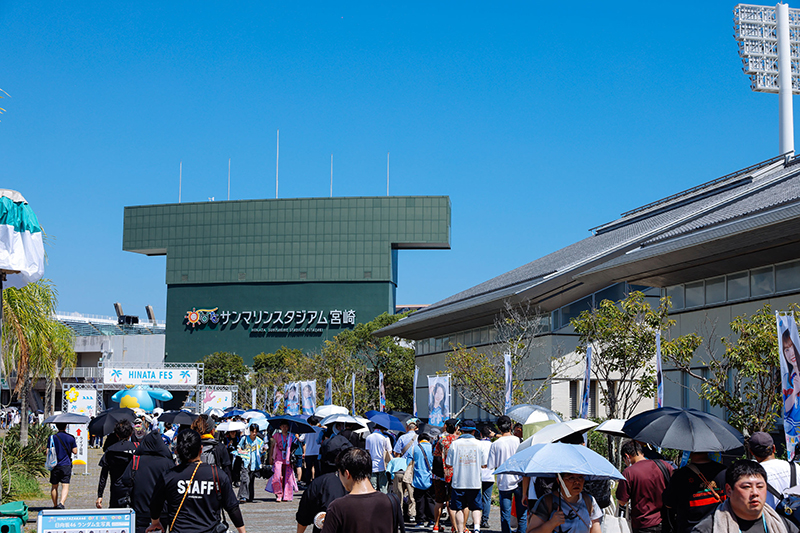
{"x": 780, "y": 474}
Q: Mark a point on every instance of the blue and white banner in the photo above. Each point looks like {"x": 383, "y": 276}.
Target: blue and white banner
{"x": 508, "y": 376}
{"x": 584, "y": 410}
{"x": 277, "y": 399}
{"x": 659, "y": 373}
{"x": 438, "y": 399}
{"x": 328, "y": 392}
{"x": 353, "y": 390}
{"x": 416, "y": 377}
{"x": 291, "y": 397}
{"x": 788, "y": 341}
{"x": 382, "y": 392}
{"x": 309, "y": 396}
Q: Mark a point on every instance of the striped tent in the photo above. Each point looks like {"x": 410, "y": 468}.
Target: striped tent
{"x": 21, "y": 246}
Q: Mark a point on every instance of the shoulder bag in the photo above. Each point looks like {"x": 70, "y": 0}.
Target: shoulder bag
{"x": 408, "y": 475}
{"x": 186, "y": 492}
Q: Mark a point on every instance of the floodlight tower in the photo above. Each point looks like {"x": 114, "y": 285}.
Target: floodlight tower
{"x": 769, "y": 45}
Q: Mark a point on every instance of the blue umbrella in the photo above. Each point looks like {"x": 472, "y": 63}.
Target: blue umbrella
{"x": 385, "y": 420}
{"x": 233, "y": 412}
{"x": 261, "y": 422}
{"x": 296, "y": 424}
{"x": 549, "y": 459}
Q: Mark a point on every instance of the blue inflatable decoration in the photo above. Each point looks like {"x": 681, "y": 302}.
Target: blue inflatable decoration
{"x": 141, "y": 397}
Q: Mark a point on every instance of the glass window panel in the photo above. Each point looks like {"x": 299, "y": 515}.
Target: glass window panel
{"x": 738, "y": 286}
{"x": 787, "y": 276}
{"x": 555, "y": 321}
{"x": 761, "y": 282}
{"x": 694, "y": 294}
{"x": 492, "y": 334}
{"x": 438, "y": 344}
{"x": 715, "y": 290}
{"x": 614, "y": 293}
{"x": 573, "y": 310}
{"x": 675, "y": 294}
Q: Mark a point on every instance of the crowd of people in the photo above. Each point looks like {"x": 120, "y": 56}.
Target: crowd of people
{"x": 186, "y": 478}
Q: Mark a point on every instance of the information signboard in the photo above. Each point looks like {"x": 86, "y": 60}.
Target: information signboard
{"x": 150, "y": 376}
{"x": 85, "y": 520}
{"x": 82, "y": 402}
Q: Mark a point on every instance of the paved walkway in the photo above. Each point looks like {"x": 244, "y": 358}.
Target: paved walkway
{"x": 262, "y": 516}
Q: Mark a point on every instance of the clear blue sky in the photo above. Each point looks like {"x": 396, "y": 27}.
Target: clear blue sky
{"x": 539, "y": 120}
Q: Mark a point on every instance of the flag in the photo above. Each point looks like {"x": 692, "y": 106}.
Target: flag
{"x": 277, "y": 400}
{"x": 584, "y": 411}
{"x": 382, "y": 392}
{"x": 790, "y": 379}
{"x": 328, "y": 392}
{"x": 253, "y": 398}
{"x": 21, "y": 244}
{"x": 507, "y": 366}
{"x": 416, "y": 376}
{"x": 438, "y": 400}
{"x": 659, "y": 373}
{"x": 353, "y": 388}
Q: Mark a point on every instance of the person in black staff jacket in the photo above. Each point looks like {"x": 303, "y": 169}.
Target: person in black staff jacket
{"x": 194, "y": 493}
{"x": 150, "y": 460}
{"x": 323, "y": 489}
{"x": 113, "y": 464}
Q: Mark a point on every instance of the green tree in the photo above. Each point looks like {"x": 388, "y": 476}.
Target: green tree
{"x": 623, "y": 339}
{"x": 745, "y": 379}
{"x": 479, "y": 375}
{"x": 34, "y": 344}
{"x": 224, "y": 368}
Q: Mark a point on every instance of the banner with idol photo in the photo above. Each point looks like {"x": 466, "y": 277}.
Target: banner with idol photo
{"x": 309, "y": 396}
{"x": 277, "y": 399}
{"x": 328, "y": 400}
{"x": 438, "y": 399}
{"x": 292, "y": 398}
{"x": 788, "y": 342}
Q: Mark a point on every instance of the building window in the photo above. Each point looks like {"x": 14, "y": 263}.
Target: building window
{"x": 738, "y": 286}
{"x": 694, "y": 294}
{"x": 675, "y": 295}
{"x": 715, "y": 290}
{"x": 787, "y": 276}
{"x": 762, "y": 282}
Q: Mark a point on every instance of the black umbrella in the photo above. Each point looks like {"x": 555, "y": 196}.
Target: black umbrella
{"x": 401, "y": 416}
{"x": 433, "y": 431}
{"x": 296, "y": 424}
{"x": 67, "y": 418}
{"x": 104, "y": 422}
{"x": 683, "y": 429}
{"x": 183, "y": 418}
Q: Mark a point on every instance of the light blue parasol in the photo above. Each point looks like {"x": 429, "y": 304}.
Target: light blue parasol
{"x": 549, "y": 459}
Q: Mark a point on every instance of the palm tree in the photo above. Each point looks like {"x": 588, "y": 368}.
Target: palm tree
{"x": 34, "y": 343}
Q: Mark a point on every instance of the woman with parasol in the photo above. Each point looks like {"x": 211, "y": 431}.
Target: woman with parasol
{"x": 567, "y": 509}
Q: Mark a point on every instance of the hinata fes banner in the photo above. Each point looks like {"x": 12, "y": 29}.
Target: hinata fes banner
{"x": 788, "y": 343}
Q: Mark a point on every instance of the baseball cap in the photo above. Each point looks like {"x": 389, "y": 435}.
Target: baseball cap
{"x": 468, "y": 425}
{"x": 761, "y": 443}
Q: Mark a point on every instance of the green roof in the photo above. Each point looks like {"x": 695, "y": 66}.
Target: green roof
{"x": 291, "y": 240}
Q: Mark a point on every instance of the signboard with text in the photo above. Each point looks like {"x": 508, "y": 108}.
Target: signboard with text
{"x": 150, "y": 376}
{"x": 282, "y": 321}
{"x": 85, "y": 520}
{"x": 82, "y": 402}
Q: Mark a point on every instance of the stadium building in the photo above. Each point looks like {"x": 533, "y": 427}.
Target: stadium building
{"x": 721, "y": 249}
{"x": 251, "y": 276}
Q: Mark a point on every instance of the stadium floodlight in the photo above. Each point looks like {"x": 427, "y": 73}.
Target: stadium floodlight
{"x": 769, "y": 45}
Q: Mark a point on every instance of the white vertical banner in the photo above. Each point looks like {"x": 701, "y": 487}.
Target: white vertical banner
{"x": 416, "y": 377}
{"x": 381, "y": 392}
{"x": 291, "y": 398}
{"x": 659, "y": 372}
{"x": 788, "y": 342}
{"x": 509, "y": 381}
{"x": 438, "y": 399}
{"x": 584, "y": 410}
{"x": 309, "y": 396}
{"x": 253, "y": 399}
{"x": 353, "y": 390}
{"x": 267, "y": 403}
{"x": 82, "y": 402}
{"x": 328, "y": 400}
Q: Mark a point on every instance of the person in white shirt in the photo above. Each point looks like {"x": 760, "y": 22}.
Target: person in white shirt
{"x": 467, "y": 457}
{"x": 779, "y": 475}
{"x": 487, "y": 475}
{"x": 378, "y": 445}
{"x": 507, "y": 484}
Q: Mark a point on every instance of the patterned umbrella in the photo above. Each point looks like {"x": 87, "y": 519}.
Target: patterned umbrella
{"x": 21, "y": 247}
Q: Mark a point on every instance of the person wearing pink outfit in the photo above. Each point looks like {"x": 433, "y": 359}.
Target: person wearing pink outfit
{"x": 283, "y": 480}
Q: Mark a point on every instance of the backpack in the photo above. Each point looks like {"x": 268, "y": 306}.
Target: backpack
{"x": 788, "y": 506}
{"x": 52, "y": 456}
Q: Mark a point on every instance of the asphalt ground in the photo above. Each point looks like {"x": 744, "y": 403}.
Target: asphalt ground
{"x": 261, "y": 516}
